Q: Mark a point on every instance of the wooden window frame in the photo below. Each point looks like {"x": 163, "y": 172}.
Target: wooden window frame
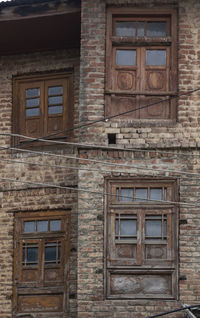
{"x": 33, "y": 280}
{"x": 136, "y": 78}
{"x": 45, "y": 122}
{"x": 130, "y": 257}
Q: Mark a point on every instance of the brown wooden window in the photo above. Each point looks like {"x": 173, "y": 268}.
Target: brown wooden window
{"x": 43, "y": 105}
{"x": 141, "y": 63}
{"x": 141, "y": 239}
{"x": 41, "y": 262}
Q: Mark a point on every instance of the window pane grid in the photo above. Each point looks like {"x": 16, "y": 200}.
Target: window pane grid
{"x": 32, "y": 103}
{"x": 141, "y": 194}
{"x": 42, "y": 226}
{"x": 125, "y": 226}
{"x": 30, "y": 254}
{"x": 52, "y": 253}
{"x": 32, "y": 92}
{"x": 156, "y": 227}
{"x": 141, "y": 28}
{"x": 55, "y": 100}
{"x": 156, "y": 57}
{"x": 126, "y": 57}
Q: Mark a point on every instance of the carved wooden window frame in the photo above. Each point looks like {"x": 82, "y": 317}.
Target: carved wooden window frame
{"x": 140, "y": 83}
{"x": 138, "y": 256}
{"x": 44, "y": 122}
{"x": 41, "y": 281}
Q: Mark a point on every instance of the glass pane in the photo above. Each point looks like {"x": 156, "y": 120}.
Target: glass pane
{"x": 117, "y": 227}
{"x": 141, "y": 194}
{"x": 24, "y": 253}
{"x": 32, "y": 255}
{"x": 165, "y": 193}
{"x": 55, "y": 90}
{"x": 55, "y": 100}
{"x": 128, "y": 227}
{"x": 155, "y": 57}
{"x": 50, "y": 253}
{"x": 117, "y": 194}
{"x": 55, "y": 225}
{"x": 55, "y": 110}
{"x": 32, "y": 112}
{"x": 42, "y": 226}
{"x": 156, "y": 194}
{"x": 126, "y": 57}
{"x": 29, "y": 226}
{"x": 165, "y": 228}
{"x": 33, "y": 92}
{"x": 125, "y": 28}
{"x": 156, "y": 29}
{"x": 140, "y": 29}
{"x": 153, "y": 228}
{"x": 32, "y": 102}
{"x": 126, "y": 194}
{"x": 59, "y": 253}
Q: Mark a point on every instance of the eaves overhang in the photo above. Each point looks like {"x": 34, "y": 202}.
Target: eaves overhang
{"x": 39, "y": 25}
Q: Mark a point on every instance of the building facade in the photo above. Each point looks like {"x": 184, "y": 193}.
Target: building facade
{"x": 100, "y": 160}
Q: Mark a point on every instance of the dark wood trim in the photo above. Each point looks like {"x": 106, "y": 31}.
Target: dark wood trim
{"x": 41, "y": 80}
{"x": 41, "y": 286}
{"x": 118, "y": 78}
{"x": 142, "y": 265}
{"x": 147, "y": 93}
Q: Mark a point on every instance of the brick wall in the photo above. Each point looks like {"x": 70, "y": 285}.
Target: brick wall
{"x": 185, "y": 132}
{"x": 180, "y": 139}
{"x": 92, "y": 300}
{"x": 16, "y": 197}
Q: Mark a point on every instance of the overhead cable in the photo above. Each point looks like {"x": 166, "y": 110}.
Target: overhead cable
{"x": 50, "y": 185}
{"x": 117, "y": 115}
{"x": 106, "y": 163}
{"x": 98, "y": 146}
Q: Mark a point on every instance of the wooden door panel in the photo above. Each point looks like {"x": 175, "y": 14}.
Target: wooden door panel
{"x": 141, "y": 285}
{"x": 126, "y": 251}
{"x": 125, "y": 80}
{"x": 53, "y": 275}
{"x": 120, "y": 104}
{"x": 30, "y": 276}
{"x": 153, "y": 107}
{"x": 153, "y": 251}
{"x": 54, "y": 124}
{"x": 37, "y": 303}
{"x": 155, "y": 80}
{"x": 33, "y": 127}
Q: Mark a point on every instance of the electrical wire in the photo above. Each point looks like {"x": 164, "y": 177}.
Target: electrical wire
{"x": 173, "y": 311}
{"x": 50, "y": 185}
{"x": 103, "y": 147}
{"x": 105, "y": 163}
{"x": 117, "y": 115}
{"x": 62, "y": 167}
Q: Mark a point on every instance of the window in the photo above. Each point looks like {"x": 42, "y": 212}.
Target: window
{"x": 141, "y": 239}
{"x": 43, "y": 105}
{"x": 141, "y": 64}
{"x": 41, "y": 261}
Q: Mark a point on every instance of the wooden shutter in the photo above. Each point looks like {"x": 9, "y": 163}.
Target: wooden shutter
{"x": 30, "y": 273}
{"x": 144, "y": 81}
{"x": 31, "y": 117}
{"x": 43, "y": 105}
{"x": 141, "y": 240}
{"x": 155, "y": 80}
{"x": 58, "y": 105}
{"x": 40, "y": 278}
